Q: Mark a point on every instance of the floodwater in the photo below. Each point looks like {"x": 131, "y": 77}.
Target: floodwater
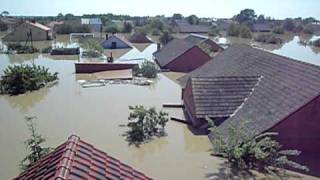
{"x": 96, "y": 115}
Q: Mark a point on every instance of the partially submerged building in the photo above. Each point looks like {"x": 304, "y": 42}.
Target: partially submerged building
{"x": 116, "y": 41}
{"x": 183, "y": 26}
{"x": 8, "y": 23}
{"x": 95, "y": 24}
{"x": 272, "y": 92}
{"x": 185, "y": 55}
{"x": 263, "y": 27}
{"x": 77, "y": 159}
{"x": 139, "y": 37}
{"x": 34, "y": 30}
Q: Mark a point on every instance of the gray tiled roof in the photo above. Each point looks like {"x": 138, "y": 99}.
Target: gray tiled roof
{"x": 185, "y": 27}
{"x": 287, "y": 84}
{"x": 221, "y": 96}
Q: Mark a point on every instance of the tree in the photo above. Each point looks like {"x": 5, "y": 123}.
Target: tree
{"x": 245, "y": 152}
{"x": 33, "y": 145}
{"x": 289, "y": 25}
{"x": 165, "y": 37}
{"x": 309, "y": 20}
{"x": 157, "y": 24}
{"x": 5, "y": 13}
{"x": 148, "y": 69}
{"x": 144, "y": 124}
{"x": 193, "y": 19}
{"x": 246, "y": 16}
{"x": 69, "y": 16}
{"x": 308, "y": 29}
{"x": 127, "y": 27}
{"x": 177, "y": 16}
{"x": 261, "y": 19}
{"x": 278, "y": 30}
{"x": 245, "y": 31}
{"x": 233, "y": 30}
{"x": 60, "y": 17}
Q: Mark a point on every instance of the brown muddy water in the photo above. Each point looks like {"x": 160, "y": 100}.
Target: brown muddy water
{"x": 96, "y": 114}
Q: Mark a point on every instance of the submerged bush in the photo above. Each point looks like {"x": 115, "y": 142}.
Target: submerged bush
{"x": 92, "y": 47}
{"x": 46, "y": 50}
{"x": 245, "y": 152}
{"x": 278, "y": 30}
{"x": 34, "y": 146}
{"x": 19, "y": 79}
{"x": 233, "y": 30}
{"x": 20, "y": 49}
{"x": 145, "y": 123}
{"x": 268, "y": 38}
{"x": 147, "y": 69}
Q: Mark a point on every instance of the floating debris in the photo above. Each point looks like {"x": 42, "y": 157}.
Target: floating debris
{"x": 98, "y": 83}
{"x": 89, "y": 84}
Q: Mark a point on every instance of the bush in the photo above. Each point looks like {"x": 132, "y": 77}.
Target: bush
{"x": 19, "y": 79}
{"x": 46, "y": 50}
{"x": 92, "y": 47}
{"x": 165, "y": 37}
{"x": 278, "y": 30}
{"x": 20, "y": 49}
{"x": 148, "y": 69}
{"x": 308, "y": 29}
{"x": 34, "y": 146}
{"x": 268, "y": 38}
{"x": 112, "y": 29}
{"x": 244, "y": 152}
{"x": 127, "y": 27}
{"x": 214, "y": 32}
{"x": 144, "y": 124}
{"x": 233, "y": 30}
{"x": 316, "y": 43}
{"x": 245, "y": 31}
{"x": 155, "y": 32}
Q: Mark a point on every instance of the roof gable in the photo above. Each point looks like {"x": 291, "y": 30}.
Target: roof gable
{"x": 221, "y": 96}
{"x": 76, "y": 159}
{"x": 286, "y": 86}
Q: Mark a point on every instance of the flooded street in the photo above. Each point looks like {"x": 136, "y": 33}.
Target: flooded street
{"x": 96, "y": 115}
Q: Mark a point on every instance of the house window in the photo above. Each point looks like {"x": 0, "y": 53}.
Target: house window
{"x": 113, "y": 45}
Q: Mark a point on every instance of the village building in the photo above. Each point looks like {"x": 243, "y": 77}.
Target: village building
{"x": 185, "y": 55}
{"x": 77, "y": 159}
{"x": 139, "y": 37}
{"x": 264, "y": 27}
{"x": 54, "y": 25}
{"x": 116, "y": 41}
{"x": 183, "y": 26}
{"x": 95, "y": 24}
{"x": 272, "y": 92}
{"x": 29, "y": 31}
{"x": 8, "y": 23}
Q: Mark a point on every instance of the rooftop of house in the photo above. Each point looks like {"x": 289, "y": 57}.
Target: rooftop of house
{"x": 76, "y": 159}
{"x": 185, "y": 27}
{"x": 177, "y": 47}
{"x": 9, "y": 20}
{"x": 139, "y": 37}
{"x": 38, "y": 25}
{"x": 286, "y": 84}
{"x": 96, "y": 21}
{"x": 121, "y": 38}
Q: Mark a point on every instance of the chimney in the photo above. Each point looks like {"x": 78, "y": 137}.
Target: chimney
{"x": 107, "y": 36}
{"x": 33, "y": 21}
{"x": 158, "y": 46}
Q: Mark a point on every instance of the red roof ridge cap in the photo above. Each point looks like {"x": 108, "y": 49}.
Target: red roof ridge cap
{"x": 64, "y": 166}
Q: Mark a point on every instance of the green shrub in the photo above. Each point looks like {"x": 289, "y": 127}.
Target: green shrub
{"x": 92, "y": 47}
{"x": 112, "y": 29}
{"x": 144, "y": 124}
{"x": 19, "y": 79}
{"x": 245, "y": 31}
{"x": 46, "y": 50}
{"x": 316, "y": 43}
{"x": 155, "y": 32}
{"x": 233, "y": 30}
{"x": 268, "y": 38}
{"x": 165, "y": 37}
{"x": 20, "y": 49}
{"x": 244, "y": 152}
{"x": 34, "y": 146}
{"x": 127, "y": 27}
{"x": 278, "y": 30}
{"x": 147, "y": 69}
{"x": 308, "y": 29}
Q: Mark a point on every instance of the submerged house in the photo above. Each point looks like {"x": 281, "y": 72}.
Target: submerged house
{"x": 272, "y": 92}
{"x": 95, "y": 24}
{"x": 185, "y": 55}
{"x": 8, "y": 23}
{"x": 183, "y": 26}
{"x": 26, "y": 30}
{"x": 264, "y": 27}
{"x": 139, "y": 37}
{"x": 116, "y": 41}
{"x": 77, "y": 159}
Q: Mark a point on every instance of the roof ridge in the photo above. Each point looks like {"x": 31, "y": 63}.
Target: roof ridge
{"x": 64, "y": 166}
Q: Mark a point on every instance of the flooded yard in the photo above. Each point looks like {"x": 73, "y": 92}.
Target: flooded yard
{"x": 96, "y": 115}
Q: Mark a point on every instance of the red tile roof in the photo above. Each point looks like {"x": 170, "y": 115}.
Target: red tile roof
{"x": 76, "y": 159}
{"x": 40, "y": 26}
